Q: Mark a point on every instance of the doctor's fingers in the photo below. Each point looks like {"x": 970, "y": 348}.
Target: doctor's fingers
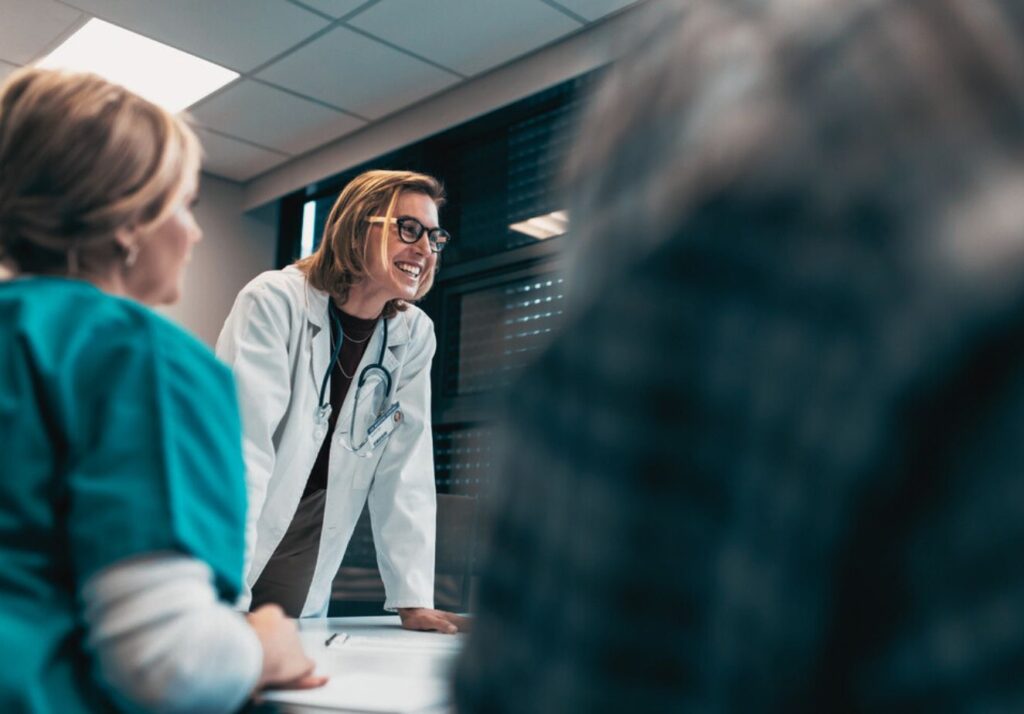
{"x": 464, "y": 624}
{"x": 429, "y": 620}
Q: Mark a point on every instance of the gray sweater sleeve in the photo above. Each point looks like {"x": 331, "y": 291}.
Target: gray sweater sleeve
{"x": 164, "y": 642}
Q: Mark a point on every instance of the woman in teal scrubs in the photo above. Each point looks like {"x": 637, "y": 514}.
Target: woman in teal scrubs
{"x": 122, "y": 500}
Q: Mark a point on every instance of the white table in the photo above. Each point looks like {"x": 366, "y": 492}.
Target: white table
{"x": 374, "y": 660}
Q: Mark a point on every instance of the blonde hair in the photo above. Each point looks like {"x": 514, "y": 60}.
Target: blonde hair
{"x": 340, "y": 261}
{"x": 80, "y": 158}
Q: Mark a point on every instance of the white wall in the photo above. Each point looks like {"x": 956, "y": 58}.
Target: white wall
{"x": 236, "y": 246}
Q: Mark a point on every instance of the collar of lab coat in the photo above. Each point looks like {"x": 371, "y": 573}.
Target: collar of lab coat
{"x": 316, "y": 314}
{"x": 320, "y": 347}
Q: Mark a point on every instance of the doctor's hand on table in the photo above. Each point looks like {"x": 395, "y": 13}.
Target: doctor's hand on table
{"x": 425, "y": 618}
{"x": 285, "y": 664}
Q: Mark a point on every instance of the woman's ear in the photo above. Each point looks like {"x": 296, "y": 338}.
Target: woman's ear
{"x": 127, "y": 239}
{"x": 127, "y": 236}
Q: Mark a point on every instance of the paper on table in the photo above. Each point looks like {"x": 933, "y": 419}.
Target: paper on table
{"x": 375, "y": 693}
{"x": 398, "y": 641}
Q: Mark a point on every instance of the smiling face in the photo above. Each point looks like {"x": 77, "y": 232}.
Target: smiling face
{"x": 156, "y": 276}
{"x": 400, "y": 270}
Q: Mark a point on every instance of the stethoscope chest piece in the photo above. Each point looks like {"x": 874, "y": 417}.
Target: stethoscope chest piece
{"x": 386, "y": 419}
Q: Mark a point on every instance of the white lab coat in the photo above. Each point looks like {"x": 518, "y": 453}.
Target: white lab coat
{"x": 277, "y": 340}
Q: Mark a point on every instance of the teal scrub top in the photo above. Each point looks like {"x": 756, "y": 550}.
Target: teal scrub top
{"x": 119, "y": 436}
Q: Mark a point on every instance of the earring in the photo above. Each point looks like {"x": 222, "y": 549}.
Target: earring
{"x": 131, "y": 254}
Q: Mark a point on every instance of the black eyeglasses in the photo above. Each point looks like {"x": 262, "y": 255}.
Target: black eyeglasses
{"x": 410, "y": 230}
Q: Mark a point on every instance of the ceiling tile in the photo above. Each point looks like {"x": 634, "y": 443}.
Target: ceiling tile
{"x": 5, "y": 69}
{"x": 233, "y": 159}
{"x": 595, "y": 9}
{"x": 239, "y": 34}
{"x": 278, "y": 120}
{"x": 485, "y": 35}
{"x": 334, "y": 8}
{"x": 358, "y": 74}
{"x": 31, "y": 27}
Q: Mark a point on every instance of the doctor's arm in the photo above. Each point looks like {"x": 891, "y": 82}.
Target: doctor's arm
{"x": 403, "y": 503}
{"x": 254, "y": 344}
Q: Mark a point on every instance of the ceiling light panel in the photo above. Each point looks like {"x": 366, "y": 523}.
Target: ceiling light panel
{"x": 485, "y": 35}
{"x": 238, "y": 34}
{"x": 162, "y": 74}
{"x": 543, "y": 227}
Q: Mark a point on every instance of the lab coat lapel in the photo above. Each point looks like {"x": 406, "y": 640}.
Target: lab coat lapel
{"x": 398, "y": 336}
{"x": 319, "y": 335}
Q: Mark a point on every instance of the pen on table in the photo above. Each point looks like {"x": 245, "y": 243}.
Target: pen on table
{"x": 343, "y": 635}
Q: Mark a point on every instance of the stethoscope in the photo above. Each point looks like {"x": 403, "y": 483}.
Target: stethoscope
{"x": 324, "y": 409}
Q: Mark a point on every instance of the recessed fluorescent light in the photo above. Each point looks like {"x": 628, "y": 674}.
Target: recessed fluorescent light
{"x": 166, "y": 76}
{"x": 542, "y": 227}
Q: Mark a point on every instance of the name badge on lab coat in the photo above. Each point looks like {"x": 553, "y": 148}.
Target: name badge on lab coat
{"x": 382, "y": 427}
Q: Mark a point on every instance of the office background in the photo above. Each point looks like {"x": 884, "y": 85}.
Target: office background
{"x": 480, "y": 93}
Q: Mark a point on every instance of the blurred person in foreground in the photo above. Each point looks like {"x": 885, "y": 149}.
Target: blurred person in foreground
{"x": 122, "y": 497}
{"x": 774, "y": 461}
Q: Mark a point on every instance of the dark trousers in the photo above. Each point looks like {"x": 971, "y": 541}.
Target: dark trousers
{"x": 289, "y": 572}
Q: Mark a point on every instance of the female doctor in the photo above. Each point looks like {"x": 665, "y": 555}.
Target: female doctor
{"x": 332, "y": 363}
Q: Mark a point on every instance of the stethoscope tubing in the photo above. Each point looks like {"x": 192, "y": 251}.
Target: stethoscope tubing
{"x": 378, "y": 365}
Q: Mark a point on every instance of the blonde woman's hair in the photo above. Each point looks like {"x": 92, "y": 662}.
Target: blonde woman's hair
{"x": 80, "y": 158}
{"x": 341, "y": 260}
